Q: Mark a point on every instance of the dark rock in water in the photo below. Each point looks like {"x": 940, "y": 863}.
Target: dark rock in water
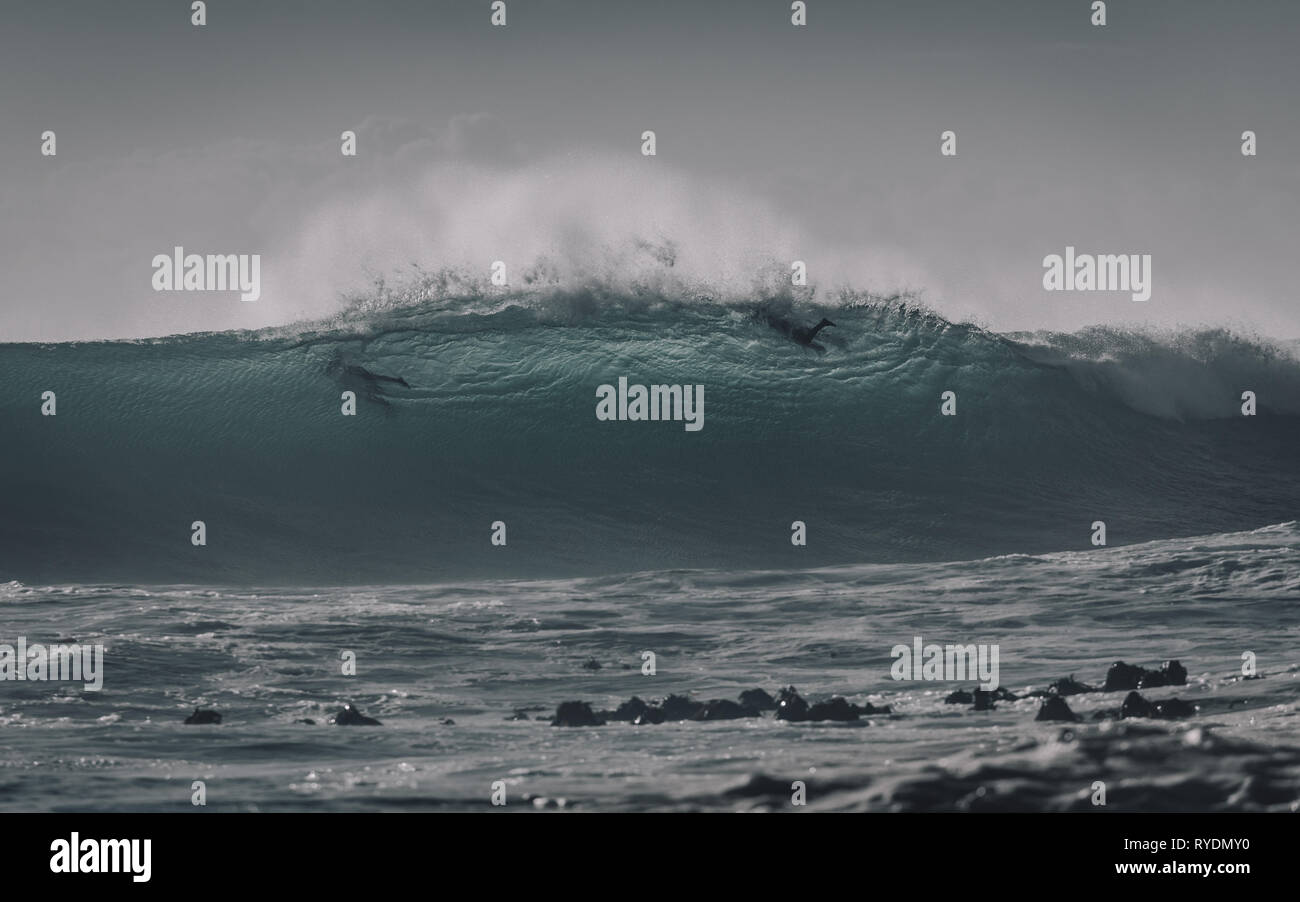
{"x": 518, "y": 715}
{"x": 591, "y": 664}
{"x": 448, "y": 722}
{"x": 201, "y": 716}
{"x": 1121, "y": 677}
{"x": 679, "y": 707}
{"x": 576, "y": 714}
{"x": 869, "y": 708}
{"x": 758, "y": 700}
{"x": 724, "y": 709}
{"x": 1055, "y": 708}
{"x": 349, "y": 716}
{"x": 1173, "y": 707}
{"x": 838, "y": 708}
{"x": 1171, "y": 673}
{"x": 1069, "y": 686}
{"x": 790, "y": 705}
{"x": 649, "y": 716}
{"x": 306, "y": 720}
{"x": 1136, "y": 706}
{"x": 627, "y": 712}
{"x": 982, "y": 700}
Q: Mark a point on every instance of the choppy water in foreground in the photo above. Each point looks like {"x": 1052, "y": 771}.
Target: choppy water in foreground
{"x": 475, "y": 652}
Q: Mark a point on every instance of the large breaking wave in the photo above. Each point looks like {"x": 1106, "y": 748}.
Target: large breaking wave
{"x": 243, "y": 431}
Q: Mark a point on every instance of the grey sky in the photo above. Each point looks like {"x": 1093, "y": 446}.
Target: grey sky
{"x": 774, "y": 142}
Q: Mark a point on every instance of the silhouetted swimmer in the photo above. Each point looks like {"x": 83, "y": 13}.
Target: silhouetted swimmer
{"x": 358, "y": 377}
{"x": 798, "y": 334}
{"x": 339, "y": 368}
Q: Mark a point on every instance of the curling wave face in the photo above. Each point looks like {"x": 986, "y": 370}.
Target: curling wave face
{"x": 497, "y": 421}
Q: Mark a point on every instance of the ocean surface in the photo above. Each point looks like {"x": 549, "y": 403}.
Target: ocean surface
{"x": 371, "y": 534}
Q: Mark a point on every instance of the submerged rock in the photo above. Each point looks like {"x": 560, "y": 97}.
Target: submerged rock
{"x": 1069, "y": 686}
{"x": 576, "y": 714}
{"x": 1055, "y": 708}
{"x": 1136, "y": 706}
{"x": 962, "y": 697}
{"x": 1121, "y": 677}
{"x": 1169, "y": 709}
{"x": 627, "y": 712}
{"x": 1174, "y": 707}
{"x": 758, "y": 700}
{"x": 838, "y": 708}
{"x": 680, "y": 707}
{"x": 349, "y": 716}
{"x": 790, "y": 705}
{"x": 202, "y": 716}
{"x": 1127, "y": 677}
{"x": 1171, "y": 673}
{"x": 591, "y": 664}
{"x": 724, "y": 709}
{"x": 518, "y": 715}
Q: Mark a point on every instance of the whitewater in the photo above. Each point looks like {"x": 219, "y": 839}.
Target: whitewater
{"x": 496, "y": 656}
